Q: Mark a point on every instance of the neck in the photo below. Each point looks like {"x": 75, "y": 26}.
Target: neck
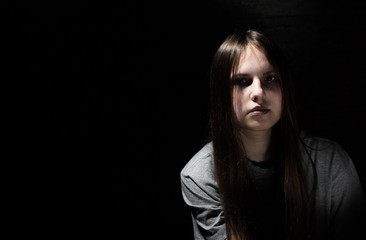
{"x": 256, "y": 144}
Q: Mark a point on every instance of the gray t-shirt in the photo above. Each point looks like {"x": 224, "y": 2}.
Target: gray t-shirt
{"x": 339, "y": 199}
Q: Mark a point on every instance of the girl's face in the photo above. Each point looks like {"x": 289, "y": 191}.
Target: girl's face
{"x": 257, "y": 97}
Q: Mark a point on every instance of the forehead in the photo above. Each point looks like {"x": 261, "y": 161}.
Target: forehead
{"x": 253, "y": 61}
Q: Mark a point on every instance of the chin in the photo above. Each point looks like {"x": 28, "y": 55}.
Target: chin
{"x": 259, "y": 127}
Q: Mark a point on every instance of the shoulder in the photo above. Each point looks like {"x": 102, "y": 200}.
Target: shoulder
{"x": 329, "y": 157}
{"x": 200, "y": 164}
{"x": 322, "y": 149}
{"x": 319, "y": 143}
{"x": 338, "y": 192}
{"x": 198, "y": 181}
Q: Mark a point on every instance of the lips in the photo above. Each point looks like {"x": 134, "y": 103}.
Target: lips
{"x": 258, "y": 110}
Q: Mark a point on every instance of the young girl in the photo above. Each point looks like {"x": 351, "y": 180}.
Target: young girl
{"x": 258, "y": 178}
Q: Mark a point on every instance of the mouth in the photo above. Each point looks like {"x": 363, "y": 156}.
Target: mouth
{"x": 258, "y": 111}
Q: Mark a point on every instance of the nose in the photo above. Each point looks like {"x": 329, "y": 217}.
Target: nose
{"x": 256, "y": 90}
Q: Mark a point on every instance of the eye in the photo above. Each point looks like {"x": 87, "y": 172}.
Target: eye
{"x": 270, "y": 78}
{"x": 243, "y": 82}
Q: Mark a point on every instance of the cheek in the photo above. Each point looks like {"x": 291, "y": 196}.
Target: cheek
{"x": 238, "y": 101}
{"x": 277, "y": 100}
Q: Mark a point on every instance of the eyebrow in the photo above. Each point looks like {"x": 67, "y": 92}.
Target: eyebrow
{"x": 248, "y": 75}
{"x": 271, "y": 70}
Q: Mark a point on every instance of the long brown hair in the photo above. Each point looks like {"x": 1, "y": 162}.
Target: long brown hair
{"x": 231, "y": 169}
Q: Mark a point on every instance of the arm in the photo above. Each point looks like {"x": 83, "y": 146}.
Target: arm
{"x": 200, "y": 193}
{"x": 347, "y": 199}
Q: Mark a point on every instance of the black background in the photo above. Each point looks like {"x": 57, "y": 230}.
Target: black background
{"x": 122, "y": 98}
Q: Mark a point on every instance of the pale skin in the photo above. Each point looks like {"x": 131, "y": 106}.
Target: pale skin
{"x": 257, "y": 101}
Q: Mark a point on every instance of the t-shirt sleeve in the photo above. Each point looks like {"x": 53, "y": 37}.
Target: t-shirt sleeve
{"x": 200, "y": 193}
{"x": 347, "y": 198}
